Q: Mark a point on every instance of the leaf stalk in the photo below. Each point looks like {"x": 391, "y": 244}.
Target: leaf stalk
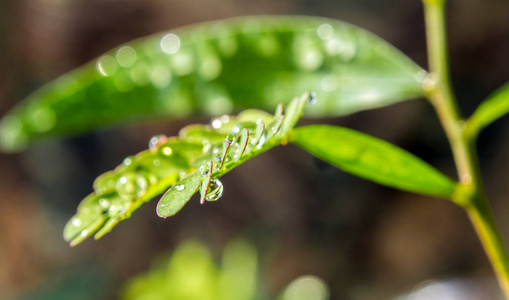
{"x": 440, "y": 94}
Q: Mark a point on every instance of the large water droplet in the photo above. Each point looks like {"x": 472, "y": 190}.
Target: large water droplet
{"x": 215, "y": 190}
{"x": 157, "y": 140}
{"x": 180, "y": 187}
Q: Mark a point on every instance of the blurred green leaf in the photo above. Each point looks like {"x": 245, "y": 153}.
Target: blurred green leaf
{"x": 197, "y": 157}
{"x": 306, "y": 288}
{"x": 215, "y": 68}
{"x": 373, "y": 159}
{"x": 494, "y": 107}
{"x": 191, "y": 273}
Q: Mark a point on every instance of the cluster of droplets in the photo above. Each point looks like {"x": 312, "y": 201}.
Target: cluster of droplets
{"x": 245, "y": 139}
{"x": 203, "y": 148}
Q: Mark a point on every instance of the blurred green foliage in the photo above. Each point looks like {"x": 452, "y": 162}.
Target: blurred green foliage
{"x": 191, "y": 273}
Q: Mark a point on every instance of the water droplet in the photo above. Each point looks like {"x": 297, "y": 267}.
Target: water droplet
{"x": 104, "y": 203}
{"x": 225, "y": 118}
{"x": 216, "y": 123}
{"x": 156, "y": 140}
{"x": 210, "y": 68}
{"x": 312, "y": 98}
{"x": 156, "y": 162}
{"x": 126, "y": 56}
{"x": 183, "y": 63}
{"x": 131, "y": 185}
{"x": 430, "y": 82}
{"x": 160, "y": 77}
{"x": 106, "y": 65}
{"x": 84, "y": 233}
{"x": 215, "y": 150}
{"x": 180, "y": 187}
{"x": 166, "y": 150}
{"x": 76, "y": 222}
{"x": 325, "y": 31}
{"x": 215, "y": 190}
{"x": 308, "y": 56}
{"x": 230, "y": 138}
{"x": 170, "y": 43}
{"x": 128, "y": 161}
{"x": 237, "y": 128}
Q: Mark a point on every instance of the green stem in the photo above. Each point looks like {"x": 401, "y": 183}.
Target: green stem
{"x": 471, "y": 195}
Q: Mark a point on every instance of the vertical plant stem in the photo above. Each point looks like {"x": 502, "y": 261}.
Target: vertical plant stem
{"x": 471, "y": 195}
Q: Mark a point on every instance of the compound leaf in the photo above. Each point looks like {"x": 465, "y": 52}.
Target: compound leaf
{"x": 372, "y": 159}
{"x": 200, "y": 154}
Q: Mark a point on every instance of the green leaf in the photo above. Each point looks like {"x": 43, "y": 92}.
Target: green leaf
{"x": 234, "y": 152}
{"x": 373, "y": 159}
{"x": 178, "y": 195}
{"x": 218, "y": 67}
{"x": 494, "y": 107}
{"x": 196, "y": 158}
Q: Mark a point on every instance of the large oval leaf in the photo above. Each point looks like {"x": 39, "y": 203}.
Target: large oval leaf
{"x": 373, "y": 159}
{"x": 216, "y": 67}
{"x": 489, "y": 111}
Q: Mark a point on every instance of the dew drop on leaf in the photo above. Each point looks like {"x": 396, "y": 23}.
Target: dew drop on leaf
{"x": 128, "y": 161}
{"x": 180, "y": 187}
{"x": 76, "y": 222}
{"x": 166, "y": 150}
{"x": 104, "y": 203}
{"x": 131, "y": 185}
{"x": 215, "y": 190}
{"x": 216, "y": 123}
{"x": 312, "y": 98}
{"x": 156, "y": 140}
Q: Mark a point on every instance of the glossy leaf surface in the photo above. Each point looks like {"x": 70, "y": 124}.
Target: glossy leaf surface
{"x": 494, "y": 107}
{"x": 372, "y": 159}
{"x": 216, "y": 68}
{"x": 196, "y": 158}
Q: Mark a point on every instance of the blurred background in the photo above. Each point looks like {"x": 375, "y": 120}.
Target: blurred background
{"x": 301, "y": 215}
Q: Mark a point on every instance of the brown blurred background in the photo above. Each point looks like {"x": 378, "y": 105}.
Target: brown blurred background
{"x": 305, "y": 217}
